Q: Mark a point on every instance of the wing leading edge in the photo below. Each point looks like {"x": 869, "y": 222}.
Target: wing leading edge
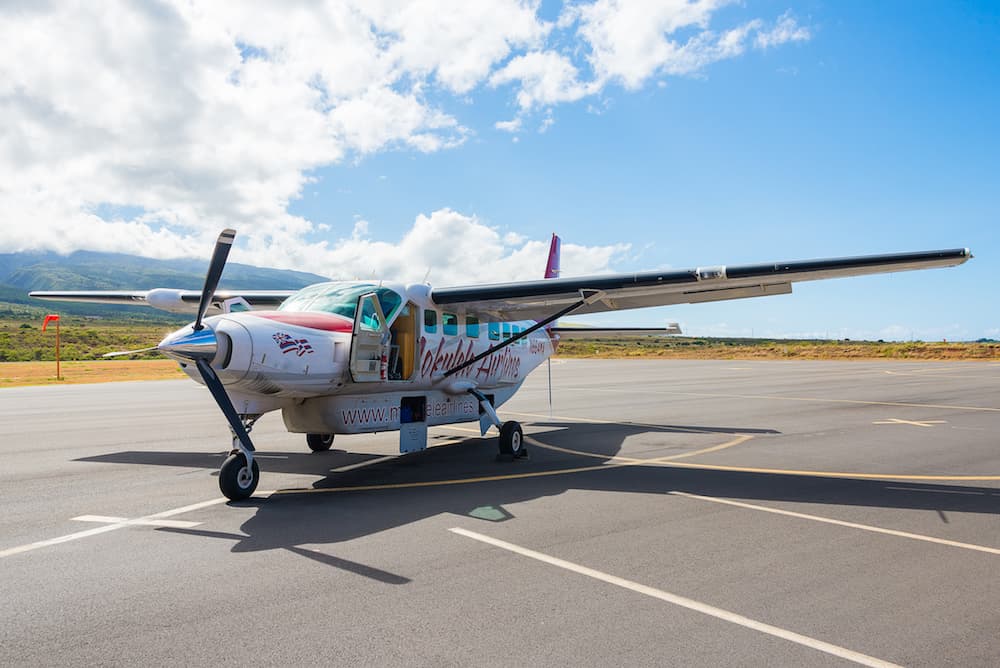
{"x": 537, "y": 299}
{"x": 166, "y": 299}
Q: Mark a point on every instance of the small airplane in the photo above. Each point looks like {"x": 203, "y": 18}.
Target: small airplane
{"x": 350, "y": 357}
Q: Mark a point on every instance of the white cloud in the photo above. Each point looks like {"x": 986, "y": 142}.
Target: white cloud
{"x": 786, "y": 30}
{"x": 513, "y": 125}
{"x": 632, "y": 40}
{"x": 546, "y": 78}
{"x": 458, "y": 249}
{"x": 180, "y": 117}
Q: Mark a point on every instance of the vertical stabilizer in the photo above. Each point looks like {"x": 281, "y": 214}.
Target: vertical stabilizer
{"x": 552, "y": 271}
{"x": 552, "y": 266}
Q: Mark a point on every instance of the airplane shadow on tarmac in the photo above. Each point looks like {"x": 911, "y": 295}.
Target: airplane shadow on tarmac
{"x": 465, "y": 479}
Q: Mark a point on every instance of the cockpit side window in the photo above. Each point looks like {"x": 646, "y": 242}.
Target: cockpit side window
{"x": 430, "y": 321}
{"x": 341, "y": 299}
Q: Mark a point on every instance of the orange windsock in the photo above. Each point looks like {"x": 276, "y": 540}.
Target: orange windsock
{"x": 48, "y": 319}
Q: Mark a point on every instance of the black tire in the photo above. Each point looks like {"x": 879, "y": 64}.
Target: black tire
{"x": 233, "y": 477}
{"x": 511, "y": 439}
{"x": 319, "y": 442}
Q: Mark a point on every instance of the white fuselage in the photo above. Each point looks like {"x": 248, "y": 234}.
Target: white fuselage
{"x": 312, "y": 366}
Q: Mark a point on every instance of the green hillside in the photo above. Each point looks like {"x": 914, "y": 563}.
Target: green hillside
{"x": 87, "y": 270}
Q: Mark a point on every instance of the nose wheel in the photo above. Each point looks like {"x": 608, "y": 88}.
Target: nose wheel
{"x": 237, "y": 480}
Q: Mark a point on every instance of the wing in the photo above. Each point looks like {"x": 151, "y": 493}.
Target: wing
{"x": 175, "y": 301}
{"x": 587, "y": 332}
{"x": 609, "y": 292}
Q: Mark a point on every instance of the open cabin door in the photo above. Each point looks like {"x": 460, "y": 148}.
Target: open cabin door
{"x": 370, "y": 342}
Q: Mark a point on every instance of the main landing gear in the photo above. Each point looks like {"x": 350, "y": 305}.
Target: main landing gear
{"x": 512, "y": 440}
{"x": 511, "y": 443}
{"x": 239, "y": 474}
{"x": 319, "y": 442}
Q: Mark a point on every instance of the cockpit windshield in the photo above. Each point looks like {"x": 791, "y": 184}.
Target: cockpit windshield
{"x": 341, "y": 298}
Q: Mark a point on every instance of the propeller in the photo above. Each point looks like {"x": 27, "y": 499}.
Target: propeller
{"x": 215, "y": 267}
{"x": 198, "y": 344}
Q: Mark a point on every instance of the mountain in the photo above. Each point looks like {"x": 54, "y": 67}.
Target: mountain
{"x": 89, "y": 270}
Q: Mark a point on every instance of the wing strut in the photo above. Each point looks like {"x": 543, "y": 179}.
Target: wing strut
{"x": 588, "y": 297}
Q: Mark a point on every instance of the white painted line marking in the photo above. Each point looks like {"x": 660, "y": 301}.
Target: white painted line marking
{"x": 850, "y": 525}
{"x": 915, "y": 423}
{"x": 681, "y": 601}
{"x": 102, "y": 519}
{"x": 369, "y": 462}
{"x": 112, "y": 527}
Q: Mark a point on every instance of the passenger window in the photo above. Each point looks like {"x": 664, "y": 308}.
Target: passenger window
{"x": 493, "y": 329}
{"x": 515, "y": 330}
{"x": 449, "y": 324}
{"x": 472, "y": 326}
{"x": 506, "y": 331}
{"x": 430, "y": 321}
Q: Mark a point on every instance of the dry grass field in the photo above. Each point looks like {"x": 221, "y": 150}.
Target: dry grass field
{"x": 694, "y": 348}
{"x": 13, "y": 374}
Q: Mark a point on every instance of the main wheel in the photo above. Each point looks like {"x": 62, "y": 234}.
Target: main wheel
{"x": 511, "y": 439}
{"x": 236, "y": 480}
{"x": 319, "y": 442}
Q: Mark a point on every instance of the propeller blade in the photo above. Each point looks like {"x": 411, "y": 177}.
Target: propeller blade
{"x": 215, "y": 268}
{"x": 119, "y": 353}
{"x": 214, "y": 386}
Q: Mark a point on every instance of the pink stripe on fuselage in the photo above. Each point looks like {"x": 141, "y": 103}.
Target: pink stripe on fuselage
{"x": 329, "y": 322}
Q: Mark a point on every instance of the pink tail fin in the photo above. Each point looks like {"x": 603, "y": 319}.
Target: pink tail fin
{"x": 552, "y": 267}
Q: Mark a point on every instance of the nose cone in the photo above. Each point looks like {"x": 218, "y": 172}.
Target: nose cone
{"x": 188, "y": 345}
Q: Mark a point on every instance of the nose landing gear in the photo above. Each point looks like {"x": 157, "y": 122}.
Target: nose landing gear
{"x": 239, "y": 474}
{"x": 237, "y": 480}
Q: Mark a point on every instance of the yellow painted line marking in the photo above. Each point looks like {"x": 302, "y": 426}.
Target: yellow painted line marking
{"x": 466, "y": 430}
{"x": 681, "y": 601}
{"x": 915, "y": 423}
{"x": 661, "y": 427}
{"x": 937, "y": 491}
{"x": 713, "y": 395}
{"x": 850, "y": 525}
{"x": 613, "y": 462}
{"x": 633, "y": 460}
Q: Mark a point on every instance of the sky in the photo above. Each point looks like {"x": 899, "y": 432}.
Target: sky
{"x": 446, "y": 140}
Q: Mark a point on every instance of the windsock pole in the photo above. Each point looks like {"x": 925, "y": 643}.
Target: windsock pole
{"x": 45, "y": 323}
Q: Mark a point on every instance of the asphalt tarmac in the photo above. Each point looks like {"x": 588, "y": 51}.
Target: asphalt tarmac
{"x": 696, "y": 513}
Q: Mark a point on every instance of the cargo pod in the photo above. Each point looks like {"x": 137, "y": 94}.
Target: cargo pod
{"x": 370, "y": 341}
